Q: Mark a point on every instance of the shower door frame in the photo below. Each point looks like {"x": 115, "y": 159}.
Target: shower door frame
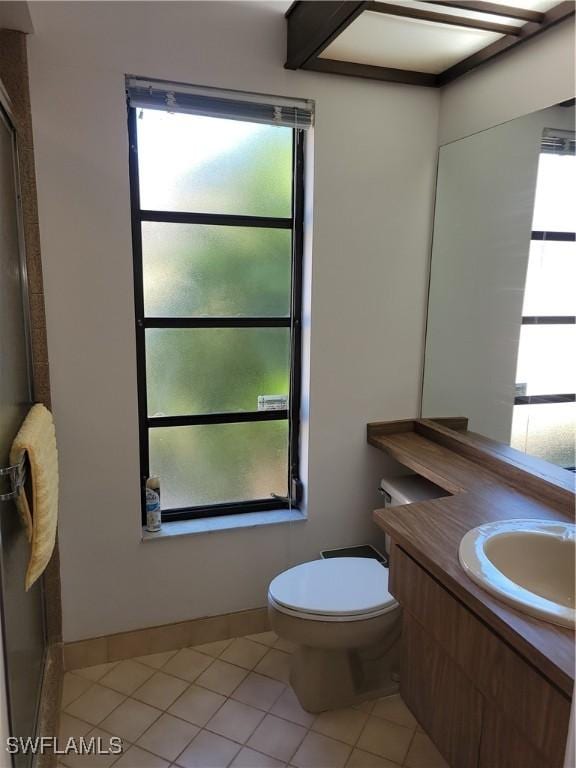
{"x": 7, "y": 117}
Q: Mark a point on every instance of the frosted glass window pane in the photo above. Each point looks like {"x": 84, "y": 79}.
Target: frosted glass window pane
{"x": 547, "y": 431}
{"x": 214, "y": 370}
{"x": 211, "y": 165}
{"x": 551, "y": 279}
{"x": 200, "y": 270}
{"x": 547, "y": 359}
{"x": 219, "y": 463}
{"x": 554, "y": 209}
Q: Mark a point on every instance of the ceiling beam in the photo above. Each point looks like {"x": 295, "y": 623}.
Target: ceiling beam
{"x": 554, "y": 16}
{"x": 312, "y": 25}
{"x": 495, "y": 9}
{"x": 408, "y": 12}
{"x": 353, "y": 69}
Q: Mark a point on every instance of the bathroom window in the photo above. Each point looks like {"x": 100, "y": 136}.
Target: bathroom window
{"x": 217, "y": 218}
{"x": 544, "y": 420}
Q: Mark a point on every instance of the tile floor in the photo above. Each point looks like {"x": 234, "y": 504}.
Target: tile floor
{"x": 229, "y": 703}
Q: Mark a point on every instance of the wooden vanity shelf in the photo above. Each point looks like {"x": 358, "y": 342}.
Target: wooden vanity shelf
{"x": 491, "y": 686}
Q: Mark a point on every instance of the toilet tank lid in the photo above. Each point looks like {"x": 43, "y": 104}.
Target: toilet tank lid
{"x": 408, "y": 489}
{"x": 340, "y": 586}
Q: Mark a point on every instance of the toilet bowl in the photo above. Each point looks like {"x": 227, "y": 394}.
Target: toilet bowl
{"x": 346, "y": 627}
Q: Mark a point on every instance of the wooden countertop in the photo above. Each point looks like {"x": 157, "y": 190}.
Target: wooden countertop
{"x": 490, "y": 483}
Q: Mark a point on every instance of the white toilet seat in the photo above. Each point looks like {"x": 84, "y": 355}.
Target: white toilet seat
{"x": 336, "y": 589}
{"x": 329, "y": 617}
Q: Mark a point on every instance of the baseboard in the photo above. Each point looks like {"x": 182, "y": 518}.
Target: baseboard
{"x": 168, "y": 637}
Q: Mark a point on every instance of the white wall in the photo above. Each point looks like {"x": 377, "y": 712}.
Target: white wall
{"x": 482, "y": 227}
{"x": 535, "y": 75}
{"x": 374, "y": 164}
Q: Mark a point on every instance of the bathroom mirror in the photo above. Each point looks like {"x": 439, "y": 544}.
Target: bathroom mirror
{"x": 501, "y": 334}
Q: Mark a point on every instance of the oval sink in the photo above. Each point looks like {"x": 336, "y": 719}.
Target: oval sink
{"x": 530, "y": 564}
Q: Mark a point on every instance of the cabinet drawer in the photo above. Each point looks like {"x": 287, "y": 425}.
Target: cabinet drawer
{"x": 513, "y": 686}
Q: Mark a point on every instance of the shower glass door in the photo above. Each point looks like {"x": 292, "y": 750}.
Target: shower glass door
{"x": 22, "y": 612}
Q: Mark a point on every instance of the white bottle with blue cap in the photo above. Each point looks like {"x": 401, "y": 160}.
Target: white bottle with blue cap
{"x": 153, "y": 511}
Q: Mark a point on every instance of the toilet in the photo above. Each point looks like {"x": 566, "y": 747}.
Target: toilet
{"x": 343, "y": 620}
{"x": 346, "y": 627}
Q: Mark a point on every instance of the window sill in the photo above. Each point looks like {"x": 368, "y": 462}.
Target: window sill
{"x": 224, "y": 523}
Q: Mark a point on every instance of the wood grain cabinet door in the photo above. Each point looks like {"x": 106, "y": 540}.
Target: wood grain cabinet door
{"x": 503, "y": 746}
{"x": 445, "y": 703}
{"x": 510, "y": 685}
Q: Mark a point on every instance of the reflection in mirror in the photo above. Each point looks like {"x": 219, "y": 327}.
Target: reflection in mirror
{"x": 501, "y": 332}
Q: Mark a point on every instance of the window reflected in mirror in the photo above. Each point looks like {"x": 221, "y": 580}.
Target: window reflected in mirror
{"x": 544, "y": 417}
{"x": 501, "y": 329}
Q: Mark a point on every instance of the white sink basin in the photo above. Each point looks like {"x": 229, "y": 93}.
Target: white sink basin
{"x": 529, "y": 564}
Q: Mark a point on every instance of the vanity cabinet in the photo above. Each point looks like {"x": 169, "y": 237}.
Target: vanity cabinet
{"x": 439, "y": 695}
{"x": 504, "y": 746}
{"x": 480, "y": 701}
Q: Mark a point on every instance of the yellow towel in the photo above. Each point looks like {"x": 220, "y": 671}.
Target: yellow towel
{"x": 37, "y": 437}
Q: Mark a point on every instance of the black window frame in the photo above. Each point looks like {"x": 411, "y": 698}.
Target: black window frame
{"x": 294, "y": 321}
{"x": 567, "y": 397}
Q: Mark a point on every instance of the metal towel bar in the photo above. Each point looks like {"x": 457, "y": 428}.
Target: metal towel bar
{"x": 16, "y": 475}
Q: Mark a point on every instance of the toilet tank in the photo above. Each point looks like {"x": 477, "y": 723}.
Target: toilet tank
{"x": 409, "y": 489}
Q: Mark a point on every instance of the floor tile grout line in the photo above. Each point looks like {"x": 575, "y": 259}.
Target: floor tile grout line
{"x": 213, "y": 659}
{"x": 174, "y": 651}
{"x": 286, "y": 762}
{"x": 409, "y": 746}
{"x": 137, "y": 746}
{"x": 200, "y": 685}
{"x": 186, "y": 747}
{"x": 92, "y": 684}
{"x": 75, "y": 671}
{"x": 267, "y": 711}
{"x": 126, "y": 698}
{"x": 335, "y": 738}
{"x": 123, "y": 752}
{"x": 189, "y": 682}
{"x": 364, "y": 749}
{"x": 176, "y": 717}
{"x": 175, "y": 761}
{"x": 62, "y": 712}
{"x": 245, "y": 743}
{"x": 170, "y": 674}
{"x": 179, "y": 753}
{"x": 227, "y": 698}
{"x": 205, "y": 689}
{"x": 97, "y": 725}
{"x": 182, "y": 750}
{"x": 308, "y": 729}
